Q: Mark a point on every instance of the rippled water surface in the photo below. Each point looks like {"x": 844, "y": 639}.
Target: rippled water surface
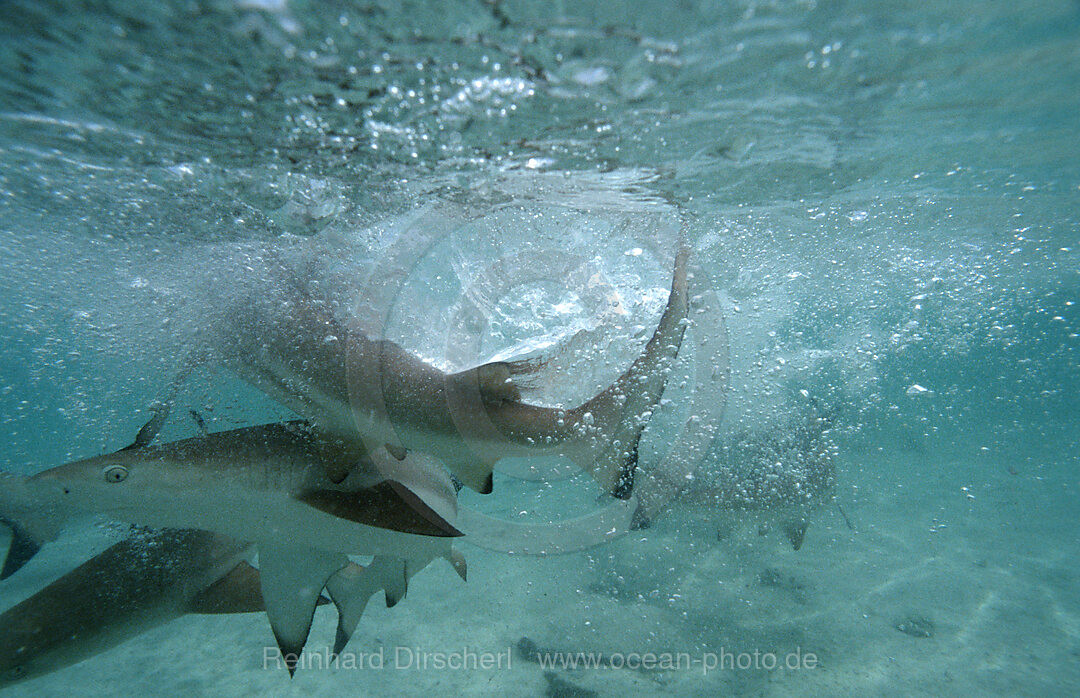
{"x": 884, "y": 204}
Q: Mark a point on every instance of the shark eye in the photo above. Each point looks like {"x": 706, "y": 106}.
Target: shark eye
{"x": 115, "y": 473}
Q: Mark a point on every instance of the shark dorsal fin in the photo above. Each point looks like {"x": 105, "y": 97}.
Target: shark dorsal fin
{"x": 160, "y": 409}
{"x": 796, "y": 532}
{"x": 200, "y": 423}
{"x": 388, "y": 505}
{"x": 398, "y": 452}
{"x": 484, "y": 384}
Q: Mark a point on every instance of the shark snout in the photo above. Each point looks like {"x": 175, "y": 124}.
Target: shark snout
{"x": 22, "y": 490}
{"x": 49, "y": 483}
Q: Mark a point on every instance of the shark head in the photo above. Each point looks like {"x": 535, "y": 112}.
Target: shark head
{"x": 14, "y": 669}
{"x": 99, "y": 483}
{"x": 120, "y": 485}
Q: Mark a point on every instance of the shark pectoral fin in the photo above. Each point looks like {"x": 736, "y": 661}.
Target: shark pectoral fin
{"x": 292, "y": 580}
{"x": 23, "y": 547}
{"x": 239, "y": 591}
{"x": 475, "y": 475}
{"x": 428, "y": 513}
{"x": 421, "y": 482}
{"x": 350, "y": 588}
{"x": 457, "y": 560}
{"x": 386, "y": 505}
{"x": 353, "y": 586}
{"x": 493, "y": 382}
{"x": 796, "y": 532}
{"x": 392, "y": 575}
{"x": 640, "y": 519}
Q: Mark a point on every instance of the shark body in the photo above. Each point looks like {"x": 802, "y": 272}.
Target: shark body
{"x": 131, "y": 587}
{"x": 146, "y": 581}
{"x": 782, "y": 477}
{"x": 268, "y": 484}
{"x": 375, "y": 393}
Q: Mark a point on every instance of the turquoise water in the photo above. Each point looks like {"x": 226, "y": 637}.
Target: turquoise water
{"x": 882, "y": 196}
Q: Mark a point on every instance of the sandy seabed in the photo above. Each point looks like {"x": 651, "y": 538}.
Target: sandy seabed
{"x": 939, "y": 589}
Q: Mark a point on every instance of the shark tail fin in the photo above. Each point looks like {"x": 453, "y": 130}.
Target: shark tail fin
{"x": 612, "y": 422}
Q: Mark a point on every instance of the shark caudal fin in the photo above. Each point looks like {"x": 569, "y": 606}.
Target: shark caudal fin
{"x": 611, "y": 423}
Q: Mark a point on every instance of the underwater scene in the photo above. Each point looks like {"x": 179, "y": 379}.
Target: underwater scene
{"x": 495, "y": 347}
